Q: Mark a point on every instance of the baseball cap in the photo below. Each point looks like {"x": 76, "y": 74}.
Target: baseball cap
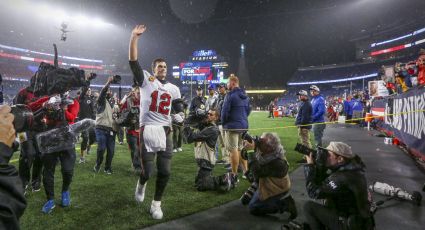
{"x": 302, "y": 92}
{"x": 199, "y": 88}
{"x": 222, "y": 85}
{"x": 340, "y": 148}
{"x": 314, "y": 87}
{"x": 211, "y": 87}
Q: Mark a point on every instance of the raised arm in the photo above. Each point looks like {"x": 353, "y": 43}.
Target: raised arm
{"x": 132, "y": 54}
{"x": 135, "y": 35}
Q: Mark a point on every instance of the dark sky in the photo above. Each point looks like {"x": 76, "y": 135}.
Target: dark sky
{"x": 279, "y": 35}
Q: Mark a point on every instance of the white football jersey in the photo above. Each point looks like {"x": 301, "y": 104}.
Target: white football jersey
{"x": 155, "y": 101}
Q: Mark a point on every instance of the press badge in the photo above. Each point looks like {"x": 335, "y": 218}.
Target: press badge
{"x": 111, "y": 133}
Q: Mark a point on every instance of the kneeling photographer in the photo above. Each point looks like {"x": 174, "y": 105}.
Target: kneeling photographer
{"x": 205, "y": 138}
{"x": 271, "y": 182}
{"x": 344, "y": 190}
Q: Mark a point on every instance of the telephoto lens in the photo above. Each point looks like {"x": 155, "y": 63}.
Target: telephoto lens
{"x": 249, "y": 193}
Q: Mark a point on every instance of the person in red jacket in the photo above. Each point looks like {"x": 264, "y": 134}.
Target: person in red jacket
{"x": 55, "y": 116}
{"x": 421, "y": 67}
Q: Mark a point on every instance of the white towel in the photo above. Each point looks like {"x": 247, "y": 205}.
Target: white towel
{"x": 155, "y": 138}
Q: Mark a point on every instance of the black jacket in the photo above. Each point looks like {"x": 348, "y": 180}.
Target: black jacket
{"x": 87, "y": 105}
{"x": 304, "y": 116}
{"x": 12, "y": 199}
{"x": 345, "y": 189}
{"x": 207, "y": 133}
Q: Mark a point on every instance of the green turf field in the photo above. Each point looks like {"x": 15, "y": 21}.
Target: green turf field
{"x": 100, "y": 201}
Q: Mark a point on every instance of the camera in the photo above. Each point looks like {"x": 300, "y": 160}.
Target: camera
{"x": 196, "y": 118}
{"x": 250, "y": 139}
{"x": 116, "y": 79}
{"x": 320, "y": 155}
{"x": 91, "y": 76}
{"x": 249, "y": 193}
{"x": 24, "y": 118}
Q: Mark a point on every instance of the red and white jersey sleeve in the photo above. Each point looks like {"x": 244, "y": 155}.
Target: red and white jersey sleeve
{"x": 155, "y": 101}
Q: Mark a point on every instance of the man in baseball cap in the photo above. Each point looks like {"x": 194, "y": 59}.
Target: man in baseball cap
{"x": 304, "y": 120}
{"x": 345, "y": 187}
{"x": 318, "y": 114}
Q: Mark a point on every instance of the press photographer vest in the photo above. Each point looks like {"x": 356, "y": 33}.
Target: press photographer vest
{"x": 272, "y": 186}
{"x": 203, "y": 151}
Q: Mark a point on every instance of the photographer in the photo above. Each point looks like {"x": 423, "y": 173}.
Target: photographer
{"x": 12, "y": 199}
{"x": 205, "y": 140}
{"x": 344, "y": 190}
{"x": 269, "y": 168}
{"x": 129, "y": 117}
{"x": 87, "y": 110}
{"x": 106, "y": 128}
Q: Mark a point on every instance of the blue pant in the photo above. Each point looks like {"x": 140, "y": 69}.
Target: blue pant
{"x": 268, "y": 206}
{"x": 318, "y": 130}
{"x": 105, "y": 140}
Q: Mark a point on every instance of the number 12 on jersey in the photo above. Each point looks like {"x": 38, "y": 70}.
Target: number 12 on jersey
{"x": 160, "y": 103}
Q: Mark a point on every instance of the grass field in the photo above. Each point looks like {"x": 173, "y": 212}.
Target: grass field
{"x": 101, "y": 201}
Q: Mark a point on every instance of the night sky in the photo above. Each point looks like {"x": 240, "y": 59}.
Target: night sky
{"x": 279, "y": 36}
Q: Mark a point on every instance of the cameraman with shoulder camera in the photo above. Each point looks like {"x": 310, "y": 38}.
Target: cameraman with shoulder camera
{"x": 29, "y": 154}
{"x": 59, "y": 111}
{"x": 269, "y": 168}
{"x": 12, "y": 199}
{"x": 205, "y": 138}
{"x": 344, "y": 190}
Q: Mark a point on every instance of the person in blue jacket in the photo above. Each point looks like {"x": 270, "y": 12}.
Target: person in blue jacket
{"x": 319, "y": 108}
{"x": 234, "y": 118}
{"x": 348, "y": 110}
{"x": 357, "y": 107}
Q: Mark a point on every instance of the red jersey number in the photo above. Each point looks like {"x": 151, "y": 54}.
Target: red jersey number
{"x": 164, "y": 103}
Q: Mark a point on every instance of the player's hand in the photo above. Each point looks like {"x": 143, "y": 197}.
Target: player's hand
{"x": 138, "y": 30}
{"x": 7, "y": 131}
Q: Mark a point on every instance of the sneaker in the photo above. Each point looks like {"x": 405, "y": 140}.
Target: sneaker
{"x": 227, "y": 166}
{"x": 120, "y": 143}
{"x": 66, "y": 199}
{"x": 36, "y": 187}
{"x": 96, "y": 169}
{"x": 174, "y": 150}
{"x": 139, "y": 194}
{"x": 48, "y": 207}
{"x": 180, "y": 149}
{"x": 243, "y": 176}
{"x": 156, "y": 211}
{"x": 108, "y": 171}
{"x": 82, "y": 160}
{"x": 234, "y": 179}
{"x": 226, "y": 182}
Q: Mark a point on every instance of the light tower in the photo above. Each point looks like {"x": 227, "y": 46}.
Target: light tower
{"x": 242, "y": 70}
